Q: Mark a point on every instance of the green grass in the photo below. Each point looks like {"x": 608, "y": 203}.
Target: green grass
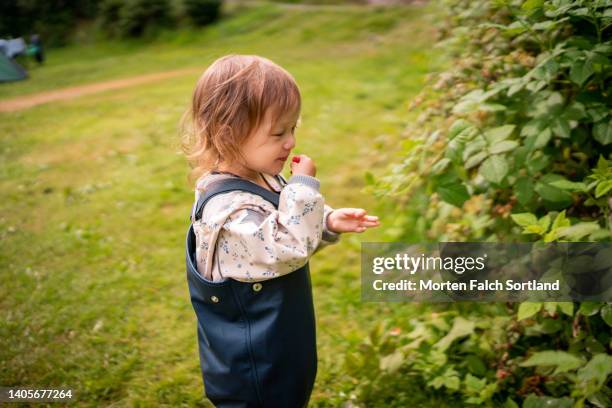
{"x": 95, "y": 200}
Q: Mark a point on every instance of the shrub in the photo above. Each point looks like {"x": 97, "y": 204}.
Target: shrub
{"x": 203, "y": 12}
{"x": 53, "y": 21}
{"x": 513, "y": 142}
{"x": 134, "y": 18}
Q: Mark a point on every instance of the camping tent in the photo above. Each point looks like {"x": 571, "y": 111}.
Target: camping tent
{"x": 9, "y": 69}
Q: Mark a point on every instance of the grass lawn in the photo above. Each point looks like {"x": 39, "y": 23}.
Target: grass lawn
{"x": 95, "y": 199}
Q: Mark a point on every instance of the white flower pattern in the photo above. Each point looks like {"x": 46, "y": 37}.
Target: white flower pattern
{"x": 249, "y": 240}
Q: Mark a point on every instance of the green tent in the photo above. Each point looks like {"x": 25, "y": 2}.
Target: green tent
{"x": 10, "y": 70}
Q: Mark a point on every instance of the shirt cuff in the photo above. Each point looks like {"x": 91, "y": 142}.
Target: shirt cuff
{"x": 306, "y": 180}
{"x": 328, "y": 235}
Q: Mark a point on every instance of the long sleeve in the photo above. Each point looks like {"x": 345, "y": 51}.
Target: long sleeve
{"x": 328, "y": 237}
{"x": 256, "y": 245}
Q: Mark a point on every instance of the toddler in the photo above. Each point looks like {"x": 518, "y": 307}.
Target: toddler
{"x": 252, "y": 235}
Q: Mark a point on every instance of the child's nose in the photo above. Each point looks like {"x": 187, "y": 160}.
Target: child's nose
{"x": 290, "y": 143}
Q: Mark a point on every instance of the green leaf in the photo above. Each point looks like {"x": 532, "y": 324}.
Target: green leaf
{"x": 544, "y": 222}
{"x": 597, "y": 112}
{"x": 602, "y": 164}
{"x": 474, "y": 384}
{"x": 497, "y": 134}
{"x": 454, "y": 149}
{"x": 453, "y": 193}
{"x": 602, "y": 132}
{"x": 537, "y": 162}
{"x": 560, "y": 221}
{"x": 524, "y": 219}
{"x": 473, "y": 147}
{"x": 475, "y": 100}
{"x": 575, "y": 111}
{"x": 528, "y": 309}
{"x": 603, "y": 188}
{"x": 555, "y": 100}
{"x": 597, "y": 370}
{"x": 523, "y": 189}
{"x": 494, "y": 169}
{"x": 550, "y": 326}
{"x": 457, "y": 127}
{"x": 534, "y": 401}
{"x": 568, "y": 185}
{"x": 589, "y": 308}
{"x": 475, "y": 160}
{"x": 533, "y": 127}
{"x": 503, "y": 146}
{"x": 544, "y": 25}
{"x": 562, "y": 360}
{"x": 539, "y": 140}
{"x": 578, "y": 231}
{"x": 606, "y": 314}
{"x": 510, "y": 403}
{"x": 440, "y": 166}
{"x": 451, "y": 382}
{"x": 392, "y": 362}
{"x": 534, "y": 229}
{"x": 531, "y": 5}
{"x": 581, "y": 70}
{"x": 561, "y": 127}
{"x": 461, "y": 328}
{"x": 475, "y": 365}
{"x": 492, "y": 107}
{"x": 566, "y": 308}
{"x": 559, "y": 198}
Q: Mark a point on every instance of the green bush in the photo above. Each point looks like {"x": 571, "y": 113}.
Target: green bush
{"x": 203, "y": 12}
{"x": 134, "y": 18}
{"x": 513, "y": 143}
{"x": 110, "y": 11}
{"x": 53, "y": 21}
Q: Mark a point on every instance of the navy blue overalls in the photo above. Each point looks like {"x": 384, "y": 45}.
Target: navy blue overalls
{"x": 257, "y": 340}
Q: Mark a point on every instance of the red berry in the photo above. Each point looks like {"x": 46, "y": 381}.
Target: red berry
{"x": 295, "y": 159}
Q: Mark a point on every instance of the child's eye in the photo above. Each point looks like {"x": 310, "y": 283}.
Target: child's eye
{"x": 281, "y": 134}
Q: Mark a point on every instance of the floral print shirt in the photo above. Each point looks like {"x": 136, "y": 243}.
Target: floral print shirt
{"x": 244, "y": 237}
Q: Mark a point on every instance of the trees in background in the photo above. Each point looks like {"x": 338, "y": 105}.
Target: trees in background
{"x": 55, "y": 21}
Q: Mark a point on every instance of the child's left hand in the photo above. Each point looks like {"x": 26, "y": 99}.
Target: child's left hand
{"x": 351, "y": 220}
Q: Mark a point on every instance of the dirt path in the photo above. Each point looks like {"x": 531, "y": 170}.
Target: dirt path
{"x": 28, "y": 101}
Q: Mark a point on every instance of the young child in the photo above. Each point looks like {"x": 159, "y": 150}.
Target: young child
{"x": 252, "y": 235}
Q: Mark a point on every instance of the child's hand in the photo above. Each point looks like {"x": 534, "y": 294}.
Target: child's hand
{"x": 351, "y": 220}
{"x": 303, "y": 165}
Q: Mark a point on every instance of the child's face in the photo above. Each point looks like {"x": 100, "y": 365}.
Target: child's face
{"x": 270, "y": 145}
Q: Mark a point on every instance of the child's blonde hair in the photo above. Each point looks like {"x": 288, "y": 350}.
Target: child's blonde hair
{"x": 229, "y": 102}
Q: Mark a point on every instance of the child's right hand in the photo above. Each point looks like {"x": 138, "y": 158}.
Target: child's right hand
{"x": 304, "y": 166}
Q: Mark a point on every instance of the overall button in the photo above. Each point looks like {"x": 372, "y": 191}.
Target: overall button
{"x": 257, "y": 287}
{"x": 214, "y": 299}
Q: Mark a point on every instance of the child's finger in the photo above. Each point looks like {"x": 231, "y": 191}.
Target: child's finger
{"x": 368, "y": 219}
{"x": 357, "y": 212}
{"x": 369, "y": 225}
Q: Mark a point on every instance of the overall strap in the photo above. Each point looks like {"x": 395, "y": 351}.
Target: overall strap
{"x": 223, "y": 186}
